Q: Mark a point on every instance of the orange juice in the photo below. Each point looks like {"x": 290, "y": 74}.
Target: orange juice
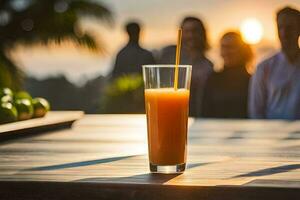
{"x": 167, "y": 117}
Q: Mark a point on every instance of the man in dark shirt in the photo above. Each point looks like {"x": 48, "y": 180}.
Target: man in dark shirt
{"x": 130, "y": 58}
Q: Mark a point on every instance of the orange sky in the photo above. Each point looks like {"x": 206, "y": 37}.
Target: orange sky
{"x": 160, "y": 20}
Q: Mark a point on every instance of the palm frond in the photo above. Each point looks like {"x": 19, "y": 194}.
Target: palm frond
{"x": 41, "y": 23}
{"x": 92, "y": 9}
{"x": 49, "y": 25}
{"x": 88, "y": 41}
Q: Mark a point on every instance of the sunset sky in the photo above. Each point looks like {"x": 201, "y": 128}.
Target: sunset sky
{"x": 160, "y": 20}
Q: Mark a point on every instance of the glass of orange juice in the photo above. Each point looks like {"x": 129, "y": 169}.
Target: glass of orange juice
{"x": 167, "y": 109}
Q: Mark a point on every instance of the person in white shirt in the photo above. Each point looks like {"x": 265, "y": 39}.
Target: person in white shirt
{"x": 275, "y": 87}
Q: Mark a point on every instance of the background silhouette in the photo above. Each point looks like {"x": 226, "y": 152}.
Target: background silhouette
{"x": 60, "y": 67}
{"x": 132, "y": 56}
{"x": 226, "y": 92}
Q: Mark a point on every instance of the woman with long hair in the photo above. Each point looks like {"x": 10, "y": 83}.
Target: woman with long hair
{"x": 226, "y": 92}
{"x": 194, "y": 47}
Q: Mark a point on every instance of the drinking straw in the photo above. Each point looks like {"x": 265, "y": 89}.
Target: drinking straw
{"x": 177, "y": 61}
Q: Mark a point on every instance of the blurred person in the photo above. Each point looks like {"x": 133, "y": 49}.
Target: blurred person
{"x": 130, "y": 58}
{"x": 226, "y": 92}
{"x": 194, "y": 47}
{"x": 275, "y": 87}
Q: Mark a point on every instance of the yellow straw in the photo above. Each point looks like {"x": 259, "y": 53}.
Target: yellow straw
{"x": 178, "y": 47}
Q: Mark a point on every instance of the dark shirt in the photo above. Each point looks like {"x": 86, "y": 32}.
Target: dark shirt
{"x": 201, "y": 69}
{"x": 130, "y": 59}
{"x": 226, "y": 94}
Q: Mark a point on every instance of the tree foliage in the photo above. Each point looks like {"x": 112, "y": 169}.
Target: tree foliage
{"x": 30, "y": 22}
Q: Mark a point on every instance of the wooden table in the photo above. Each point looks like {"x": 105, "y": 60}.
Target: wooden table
{"x": 105, "y": 157}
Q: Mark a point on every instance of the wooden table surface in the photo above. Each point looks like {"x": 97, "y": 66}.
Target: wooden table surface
{"x": 105, "y": 157}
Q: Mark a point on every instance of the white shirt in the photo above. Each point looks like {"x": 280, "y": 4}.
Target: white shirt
{"x": 275, "y": 89}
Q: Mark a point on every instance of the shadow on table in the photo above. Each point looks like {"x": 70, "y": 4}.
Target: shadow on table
{"x": 96, "y": 162}
{"x": 138, "y": 179}
{"x": 79, "y": 164}
{"x": 273, "y": 182}
{"x": 151, "y": 178}
{"x": 237, "y": 135}
{"x": 294, "y": 135}
{"x": 270, "y": 171}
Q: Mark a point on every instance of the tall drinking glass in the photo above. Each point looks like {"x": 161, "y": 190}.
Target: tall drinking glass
{"x": 167, "y": 111}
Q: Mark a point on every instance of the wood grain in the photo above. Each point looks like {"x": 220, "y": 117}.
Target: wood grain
{"x": 105, "y": 157}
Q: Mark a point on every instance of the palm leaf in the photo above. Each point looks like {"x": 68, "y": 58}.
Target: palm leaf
{"x": 48, "y": 26}
{"x": 91, "y": 9}
{"x": 54, "y": 26}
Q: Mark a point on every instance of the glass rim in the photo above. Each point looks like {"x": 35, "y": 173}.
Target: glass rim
{"x": 166, "y": 66}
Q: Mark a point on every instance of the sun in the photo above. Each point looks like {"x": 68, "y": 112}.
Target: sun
{"x": 252, "y": 30}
